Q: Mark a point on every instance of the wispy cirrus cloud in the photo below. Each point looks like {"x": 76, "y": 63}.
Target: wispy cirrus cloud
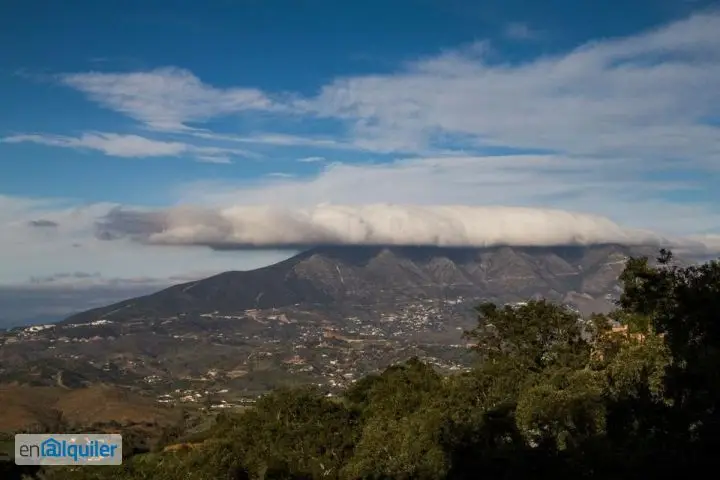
{"x": 278, "y": 140}
{"x": 166, "y": 98}
{"x": 131, "y": 146}
{"x": 644, "y": 97}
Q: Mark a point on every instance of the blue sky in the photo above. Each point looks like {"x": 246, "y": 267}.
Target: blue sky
{"x": 279, "y": 47}
{"x": 233, "y": 108}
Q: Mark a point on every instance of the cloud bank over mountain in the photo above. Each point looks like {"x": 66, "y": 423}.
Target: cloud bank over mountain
{"x": 379, "y": 224}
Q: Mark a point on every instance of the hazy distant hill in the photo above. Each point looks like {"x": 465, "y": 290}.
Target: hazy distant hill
{"x": 583, "y": 276}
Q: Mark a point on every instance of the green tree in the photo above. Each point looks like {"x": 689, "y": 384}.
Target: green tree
{"x": 402, "y": 424}
{"x": 683, "y": 305}
{"x": 299, "y": 430}
{"x": 535, "y": 336}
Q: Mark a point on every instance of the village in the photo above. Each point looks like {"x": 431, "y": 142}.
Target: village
{"x": 220, "y": 360}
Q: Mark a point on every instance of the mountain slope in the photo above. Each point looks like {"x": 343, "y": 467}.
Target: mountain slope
{"x": 334, "y": 275}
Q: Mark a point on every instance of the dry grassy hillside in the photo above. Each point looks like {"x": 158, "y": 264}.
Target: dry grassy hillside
{"x": 24, "y": 407}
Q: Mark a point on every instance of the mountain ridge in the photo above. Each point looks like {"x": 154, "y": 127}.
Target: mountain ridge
{"x": 340, "y": 274}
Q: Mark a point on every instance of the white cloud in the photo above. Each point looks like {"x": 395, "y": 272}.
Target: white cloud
{"x": 311, "y": 159}
{"x": 380, "y": 224}
{"x": 643, "y": 97}
{"x": 166, "y": 98}
{"x": 130, "y": 146}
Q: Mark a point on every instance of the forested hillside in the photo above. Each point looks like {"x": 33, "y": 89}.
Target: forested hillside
{"x": 550, "y": 397}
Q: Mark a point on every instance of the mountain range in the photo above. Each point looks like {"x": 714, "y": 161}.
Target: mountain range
{"x": 583, "y": 276}
{"x": 327, "y": 316}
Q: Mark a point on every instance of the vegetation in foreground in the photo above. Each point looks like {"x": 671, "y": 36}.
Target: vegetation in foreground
{"x": 549, "y": 397}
